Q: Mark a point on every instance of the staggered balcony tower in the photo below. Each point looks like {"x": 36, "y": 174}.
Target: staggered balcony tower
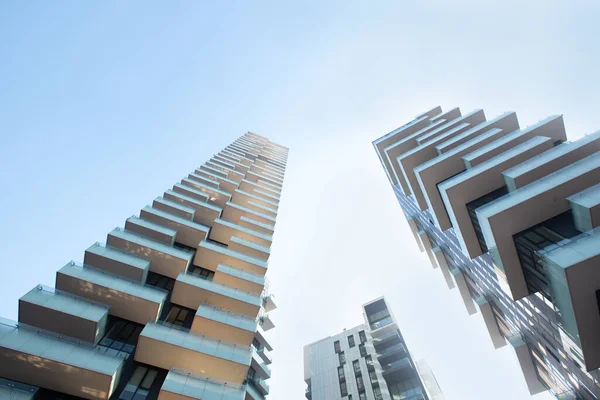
{"x": 367, "y": 362}
{"x": 172, "y": 307}
{"x": 510, "y": 217}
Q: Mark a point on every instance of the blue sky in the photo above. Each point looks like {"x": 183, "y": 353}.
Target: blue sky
{"x": 104, "y": 105}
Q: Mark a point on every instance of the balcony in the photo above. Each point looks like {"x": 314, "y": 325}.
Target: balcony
{"x": 263, "y": 340}
{"x": 226, "y": 325}
{"x": 16, "y": 391}
{"x": 585, "y": 206}
{"x": 419, "y": 155}
{"x": 259, "y": 190}
{"x": 552, "y": 127}
{"x": 544, "y": 164}
{"x": 63, "y": 313}
{"x": 254, "y": 202}
{"x": 481, "y": 180}
{"x": 183, "y": 385}
{"x": 213, "y": 180}
{"x": 195, "y": 189}
{"x": 204, "y": 213}
{"x": 164, "y": 259}
{"x": 400, "y": 369}
{"x": 151, "y": 230}
{"x": 273, "y": 176}
{"x": 189, "y": 233}
{"x": 258, "y": 388}
{"x": 244, "y": 216}
{"x": 262, "y": 370}
{"x": 40, "y": 359}
{"x": 167, "y": 347}
{"x": 249, "y": 248}
{"x": 127, "y": 299}
{"x": 175, "y": 208}
{"x": 231, "y": 174}
{"x": 524, "y": 208}
{"x": 236, "y": 278}
{"x": 264, "y": 181}
{"x": 393, "y": 350}
{"x": 222, "y": 231}
{"x": 191, "y": 291}
{"x": 235, "y": 164}
{"x": 449, "y": 162}
{"x": 209, "y": 255}
{"x": 243, "y": 160}
{"x": 574, "y": 280}
{"x": 264, "y": 355}
{"x": 117, "y": 262}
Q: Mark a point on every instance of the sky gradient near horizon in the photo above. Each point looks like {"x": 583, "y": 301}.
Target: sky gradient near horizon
{"x": 104, "y": 105}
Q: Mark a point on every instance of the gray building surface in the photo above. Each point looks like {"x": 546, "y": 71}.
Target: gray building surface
{"x": 510, "y": 216}
{"x": 173, "y": 306}
{"x": 367, "y": 362}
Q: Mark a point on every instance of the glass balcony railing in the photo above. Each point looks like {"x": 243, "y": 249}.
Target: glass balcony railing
{"x": 396, "y": 365}
{"x": 398, "y": 348}
{"x": 381, "y": 323}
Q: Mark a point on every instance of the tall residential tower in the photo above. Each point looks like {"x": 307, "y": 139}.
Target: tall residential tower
{"x": 172, "y": 307}
{"x": 367, "y": 362}
{"x": 509, "y": 215}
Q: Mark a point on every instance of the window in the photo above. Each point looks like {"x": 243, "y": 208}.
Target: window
{"x": 160, "y": 281}
{"x": 360, "y": 384}
{"x": 377, "y": 393}
{"x": 336, "y": 346}
{"x": 342, "y": 358}
{"x": 180, "y": 316}
{"x": 120, "y": 336}
{"x": 341, "y": 374}
{"x": 356, "y": 366}
{"x": 373, "y": 377}
{"x": 363, "y": 350}
{"x": 202, "y": 273}
{"x": 362, "y": 336}
{"x": 351, "y": 341}
{"x": 343, "y": 389}
{"x": 138, "y": 386}
{"x": 369, "y": 361}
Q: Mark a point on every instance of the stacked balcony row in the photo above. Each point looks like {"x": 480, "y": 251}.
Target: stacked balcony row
{"x": 526, "y": 196}
{"x": 181, "y": 288}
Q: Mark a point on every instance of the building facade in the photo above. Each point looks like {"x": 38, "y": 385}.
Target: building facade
{"x": 368, "y": 362}
{"x": 172, "y": 307}
{"x": 509, "y": 216}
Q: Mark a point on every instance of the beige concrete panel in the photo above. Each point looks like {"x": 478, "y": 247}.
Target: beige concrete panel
{"x": 444, "y": 267}
{"x": 393, "y": 137}
{"x": 490, "y": 322}
{"x": 534, "y": 204}
{"x": 457, "y": 192}
{"x": 419, "y": 155}
{"x": 547, "y": 163}
{"x": 53, "y": 375}
{"x": 166, "y": 356}
{"x": 122, "y": 305}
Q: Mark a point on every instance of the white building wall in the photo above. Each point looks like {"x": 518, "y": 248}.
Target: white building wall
{"x": 321, "y": 363}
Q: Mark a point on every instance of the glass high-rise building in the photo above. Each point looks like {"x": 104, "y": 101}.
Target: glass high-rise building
{"x": 172, "y": 307}
{"x": 509, "y": 215}
{"x": 367, "y": 362}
